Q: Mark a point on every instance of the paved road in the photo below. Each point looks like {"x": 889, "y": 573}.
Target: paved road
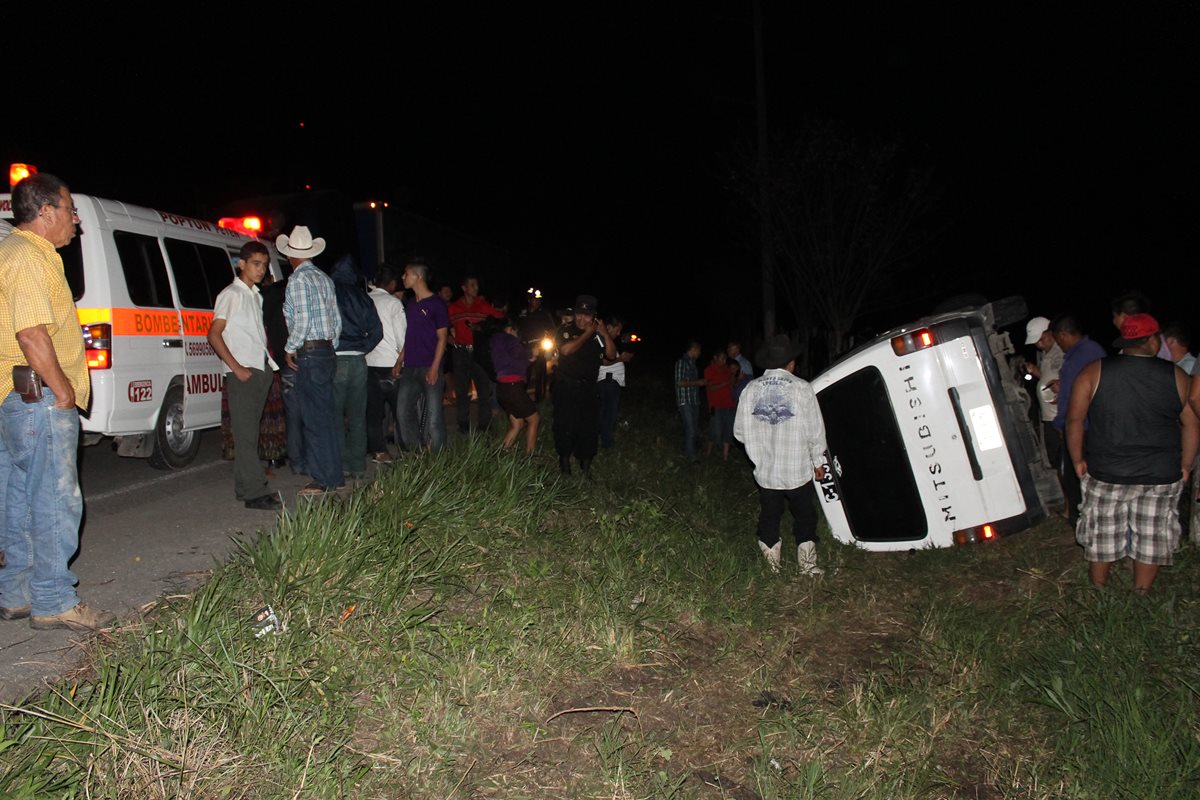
{"x": 145, "y": 533}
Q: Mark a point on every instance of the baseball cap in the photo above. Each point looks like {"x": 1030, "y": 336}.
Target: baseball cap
{"x": 1136, "y": 329}
{"x": 585, "y": 304}
{"x": 1035, "y": 328}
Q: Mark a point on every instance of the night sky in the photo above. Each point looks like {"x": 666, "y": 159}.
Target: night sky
{"x": 595, "y": 142}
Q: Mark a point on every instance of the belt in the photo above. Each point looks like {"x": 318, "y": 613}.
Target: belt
{"x": 467, "y": 347}
{"x": 315, "y": 344}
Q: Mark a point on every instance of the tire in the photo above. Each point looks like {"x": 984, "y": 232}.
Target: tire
{"x": 174, "y": 448}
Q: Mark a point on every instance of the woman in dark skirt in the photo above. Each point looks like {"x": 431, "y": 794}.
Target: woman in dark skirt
{"x": 511, "y": 361}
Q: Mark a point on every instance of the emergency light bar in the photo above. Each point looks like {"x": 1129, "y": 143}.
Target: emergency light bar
{"x": 248, "y": 226}
{"x": 19, "y": 172}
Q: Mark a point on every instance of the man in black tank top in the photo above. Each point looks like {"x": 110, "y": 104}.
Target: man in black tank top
{"x": 1133, "y": 439}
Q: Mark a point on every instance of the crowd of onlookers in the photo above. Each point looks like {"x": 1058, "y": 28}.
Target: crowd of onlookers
{"x": 1121, "y": 432}
{"x": 347, "y": 366}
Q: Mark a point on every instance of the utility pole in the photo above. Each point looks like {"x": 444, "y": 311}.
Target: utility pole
{"x": 764, "y": 217}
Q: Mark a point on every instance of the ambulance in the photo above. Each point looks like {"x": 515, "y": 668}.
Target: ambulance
{"x": 144, "y": 283}
{"x": 930, "y": 438}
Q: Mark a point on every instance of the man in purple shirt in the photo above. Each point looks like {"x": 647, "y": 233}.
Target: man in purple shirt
{"x": 1079, "y": 351}
{"x": 421, "y": 377}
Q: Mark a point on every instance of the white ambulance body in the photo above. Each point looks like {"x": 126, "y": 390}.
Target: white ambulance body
{"x": 144, "y": 283}
{"x": 930, "y": 443}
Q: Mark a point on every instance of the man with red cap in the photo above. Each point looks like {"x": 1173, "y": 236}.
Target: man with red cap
{"x": 1135, "y": 455}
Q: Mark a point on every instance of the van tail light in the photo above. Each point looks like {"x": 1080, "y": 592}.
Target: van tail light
{"x": 97, "y": 342}
{"x": 912, "y": 342}
{"x": 979, "y": 533}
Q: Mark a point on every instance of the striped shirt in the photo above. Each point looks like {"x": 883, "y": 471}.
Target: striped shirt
{"x": 34, "y": 291}
{"x": 685, "y": 370}
{"x": 310, "y": 307}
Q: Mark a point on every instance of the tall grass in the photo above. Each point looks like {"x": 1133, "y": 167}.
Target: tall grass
{"x": 476, "y": 625}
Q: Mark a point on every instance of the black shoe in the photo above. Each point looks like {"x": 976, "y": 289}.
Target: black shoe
{"x": 266, "y": 502}
{"x": 564, "y": 465}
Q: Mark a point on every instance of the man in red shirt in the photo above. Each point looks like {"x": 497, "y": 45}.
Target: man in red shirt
{"x": 718, "y": 378}
{"x": 465, "y": 313}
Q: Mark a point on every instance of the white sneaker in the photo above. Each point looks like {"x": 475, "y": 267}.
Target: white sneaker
{"x": 806, "y": 554}
{"x": 773, "y": 554}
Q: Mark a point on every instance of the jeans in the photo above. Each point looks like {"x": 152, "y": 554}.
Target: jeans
{"x": 314, "y": 389}
{"x": 43, "y": 504}
{"x": 381, "y": 395}
{"x": 804, "y": 514}
{"x": 246, "y": 401}
{"x": 350, "y": 411}
{"x": 609, "y": 392}
{"x": 467, "y": 369}
{"x": 690, "y": 415}
{"x": 415, "y": 432}
{"x": 295, "y": 423}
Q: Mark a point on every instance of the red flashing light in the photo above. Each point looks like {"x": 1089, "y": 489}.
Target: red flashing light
{"x": 248, "y": 226}
{"x": 988, "y": 532}
{"x": 19, "y": 172}
{"x": 926, "y": 338}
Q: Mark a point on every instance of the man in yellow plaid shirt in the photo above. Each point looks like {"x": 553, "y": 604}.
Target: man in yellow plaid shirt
{"x": 39, "y": 438}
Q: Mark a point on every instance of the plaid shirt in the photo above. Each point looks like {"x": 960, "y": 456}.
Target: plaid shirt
{"x": 310, "y": 307}
{"x": 780, "y": 423}
{"x": 685, "y": 370}
{"x": 34, "y": 291}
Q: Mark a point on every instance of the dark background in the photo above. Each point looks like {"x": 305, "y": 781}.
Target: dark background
{"x": 594, "y": 143}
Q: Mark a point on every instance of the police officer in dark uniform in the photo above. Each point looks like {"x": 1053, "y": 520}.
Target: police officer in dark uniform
{"x": 576, "y": 407}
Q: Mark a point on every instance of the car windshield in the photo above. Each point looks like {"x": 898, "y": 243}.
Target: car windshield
{"x": 871, "y": 466}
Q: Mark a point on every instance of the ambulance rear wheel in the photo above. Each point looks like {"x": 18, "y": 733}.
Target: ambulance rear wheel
{"x": 174, "y": 448}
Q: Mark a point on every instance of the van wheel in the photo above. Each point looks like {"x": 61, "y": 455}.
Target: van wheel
{"x": 174, "y": 448}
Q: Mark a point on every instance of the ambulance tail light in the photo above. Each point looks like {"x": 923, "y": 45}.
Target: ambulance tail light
{"x": 97, "y": 342}
{"x": 912, "y": 342}
{"x": 979, "y": 533}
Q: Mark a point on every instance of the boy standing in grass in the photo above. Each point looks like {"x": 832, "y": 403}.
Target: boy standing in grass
{"x": 780, "y": 423}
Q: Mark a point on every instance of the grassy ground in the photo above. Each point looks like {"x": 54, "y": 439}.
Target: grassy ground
{"x": 473, "y": 626}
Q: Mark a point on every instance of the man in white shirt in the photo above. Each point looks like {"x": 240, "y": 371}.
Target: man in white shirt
{"x": 240, "y": 341}
{"x": 385, "y": 361}
{"x": 780, "y": 423}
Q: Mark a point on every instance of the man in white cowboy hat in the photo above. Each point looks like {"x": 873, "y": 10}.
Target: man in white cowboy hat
{"x": 314, "y": 325}
{"x": 780, "y": 423}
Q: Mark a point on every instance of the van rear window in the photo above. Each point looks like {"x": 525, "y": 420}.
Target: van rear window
{"x": 201, "y": 271}
{"x": 872, "y": 468}
{"x": 144, "y": 269}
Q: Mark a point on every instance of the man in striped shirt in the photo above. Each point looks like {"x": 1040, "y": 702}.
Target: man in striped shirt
{"x": 314, "y": 324}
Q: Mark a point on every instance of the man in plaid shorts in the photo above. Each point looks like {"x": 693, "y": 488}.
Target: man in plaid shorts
{"x": 1133, "y": 439}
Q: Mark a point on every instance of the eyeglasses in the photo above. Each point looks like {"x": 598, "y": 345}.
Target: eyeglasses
{"x": 74, "y": 209}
